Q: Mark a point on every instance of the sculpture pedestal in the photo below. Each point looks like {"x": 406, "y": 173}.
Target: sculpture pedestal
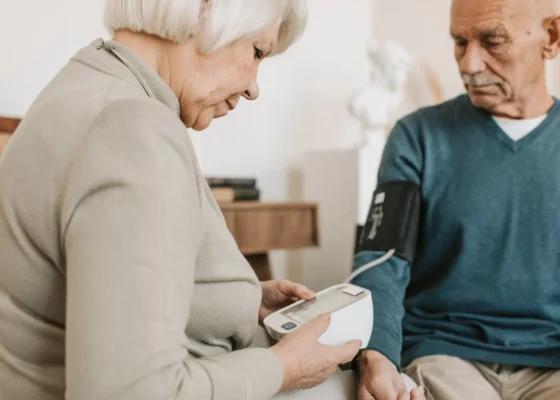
{"x": 342, "y": 181}
{"x": 368, "y": 158}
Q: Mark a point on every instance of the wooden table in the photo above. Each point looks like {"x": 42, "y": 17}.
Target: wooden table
{"x": 260, "y": 227}
{"x": 7, "y": 127}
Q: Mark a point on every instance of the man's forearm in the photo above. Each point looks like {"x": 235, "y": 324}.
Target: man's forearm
{"x": 387, "y": 283}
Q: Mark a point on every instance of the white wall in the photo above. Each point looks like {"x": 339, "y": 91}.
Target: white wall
{"x": 35, "y": 45}
{"x": 302, "y": 103}
{"x": 302, "y": 107}
{"x": 422, "y": 27}
{"x": 37, "y": 37}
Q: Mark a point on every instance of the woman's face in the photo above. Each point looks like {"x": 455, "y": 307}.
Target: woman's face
{"x": 213, "y": 87}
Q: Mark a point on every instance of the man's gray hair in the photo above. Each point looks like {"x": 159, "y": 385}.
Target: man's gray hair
{"x": 215, "y": 23}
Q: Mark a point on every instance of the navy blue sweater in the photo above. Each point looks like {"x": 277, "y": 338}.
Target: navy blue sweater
{"x": 485, "y": 284}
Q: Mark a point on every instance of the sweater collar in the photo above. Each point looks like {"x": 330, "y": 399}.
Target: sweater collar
{"x": 493, "y": 129}
{"x": 148, "y": 78}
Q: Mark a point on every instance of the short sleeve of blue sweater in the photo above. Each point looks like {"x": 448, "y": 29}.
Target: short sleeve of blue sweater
{"x": 401, "y": 160}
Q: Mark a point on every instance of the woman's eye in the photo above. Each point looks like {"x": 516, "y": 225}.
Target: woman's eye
{"x": 258, "y": 53}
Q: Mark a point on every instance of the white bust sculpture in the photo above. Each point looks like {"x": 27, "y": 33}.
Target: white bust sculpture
{"x": 376, "y": 105}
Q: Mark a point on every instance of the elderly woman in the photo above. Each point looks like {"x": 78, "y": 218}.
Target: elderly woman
{"x": 119, "y": 279}
{"x": 118, "y": 276}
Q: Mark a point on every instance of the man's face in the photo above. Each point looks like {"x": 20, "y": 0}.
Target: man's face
{"x": 499, "y": 49}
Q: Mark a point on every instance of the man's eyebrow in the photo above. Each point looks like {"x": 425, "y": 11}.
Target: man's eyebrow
{"x": 455, "y": 36}
{"x": 493, "y": 32}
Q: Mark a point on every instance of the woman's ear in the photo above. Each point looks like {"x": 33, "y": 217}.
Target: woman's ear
{"x": 552, "y": 37}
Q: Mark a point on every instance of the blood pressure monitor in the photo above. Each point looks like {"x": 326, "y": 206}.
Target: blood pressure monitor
{"x": 351, "y": 309}
{"x": 392, "y": 226}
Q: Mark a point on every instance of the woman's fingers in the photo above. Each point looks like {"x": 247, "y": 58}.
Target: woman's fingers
{"x": 302, "y": 292}
{"x": 295, "y": 290}
{"x": 347, "y": 352}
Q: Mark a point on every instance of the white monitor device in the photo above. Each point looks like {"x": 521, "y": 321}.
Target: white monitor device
{"x": 351, "y": 309}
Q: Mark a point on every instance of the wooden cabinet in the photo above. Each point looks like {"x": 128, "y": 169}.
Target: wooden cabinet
{"x": 259, "y": 227}
{"x": 7, "y": 127}
{"x": 4, "y": 137}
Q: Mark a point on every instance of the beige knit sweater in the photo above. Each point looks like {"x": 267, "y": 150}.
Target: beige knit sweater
{"x": 118, "y": 276}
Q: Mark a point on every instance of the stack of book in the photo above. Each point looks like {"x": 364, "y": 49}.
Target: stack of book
{"x": 230, "y": 189}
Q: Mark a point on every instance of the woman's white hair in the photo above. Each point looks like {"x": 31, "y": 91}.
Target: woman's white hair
{"x": 215, "y": 23}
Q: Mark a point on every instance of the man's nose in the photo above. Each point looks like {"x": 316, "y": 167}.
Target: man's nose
{"x": 252, "y": 91}
{"x": 472, "y": 62}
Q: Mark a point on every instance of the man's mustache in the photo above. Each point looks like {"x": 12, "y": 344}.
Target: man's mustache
{"x": 481, "y": 80}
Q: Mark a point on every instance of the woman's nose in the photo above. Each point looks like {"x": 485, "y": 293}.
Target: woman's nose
{"x": 252, "y": 91}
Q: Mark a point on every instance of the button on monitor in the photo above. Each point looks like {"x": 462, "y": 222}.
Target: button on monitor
{"x": 289, "y": 326}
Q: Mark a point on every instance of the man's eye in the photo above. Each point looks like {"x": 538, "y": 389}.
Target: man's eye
{"x": 258, "y": 53}
{"x": 494, "y": 44}
{"x": 461, "y": 43}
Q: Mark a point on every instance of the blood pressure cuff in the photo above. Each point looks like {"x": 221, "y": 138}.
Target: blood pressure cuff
{"x": 393, "y": 220}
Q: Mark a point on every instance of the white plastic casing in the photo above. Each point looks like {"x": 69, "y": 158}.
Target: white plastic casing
{"x": 354, "y": 321}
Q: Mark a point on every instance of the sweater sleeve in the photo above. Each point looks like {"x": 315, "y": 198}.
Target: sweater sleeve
{"x": 388, "y": 281}
{"x": 131, "y": 226}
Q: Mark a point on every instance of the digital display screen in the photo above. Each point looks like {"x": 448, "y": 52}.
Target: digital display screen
{"x": 330, "y": 301}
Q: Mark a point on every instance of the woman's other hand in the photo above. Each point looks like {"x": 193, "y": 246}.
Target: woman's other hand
{"x": 279, "y": 294}
{"x": 308, "y": 363}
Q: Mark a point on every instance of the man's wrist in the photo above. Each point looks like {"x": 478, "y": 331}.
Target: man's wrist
{"x": 372, "y": 356}
{"x": 364, "y": 358}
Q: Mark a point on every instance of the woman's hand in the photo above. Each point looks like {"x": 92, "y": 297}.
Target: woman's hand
{"x": 308, "y": 363}
{"x": 279, "y": 294}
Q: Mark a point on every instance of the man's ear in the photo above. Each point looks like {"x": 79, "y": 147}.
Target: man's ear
{"x": 552, "y": 37}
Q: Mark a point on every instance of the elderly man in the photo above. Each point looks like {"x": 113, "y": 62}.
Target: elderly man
{"x": 476, "y": 315}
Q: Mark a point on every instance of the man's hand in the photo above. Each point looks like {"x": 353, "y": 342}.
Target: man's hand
{"x": 279, "y": 294}
{"x": 380, "y": 380}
